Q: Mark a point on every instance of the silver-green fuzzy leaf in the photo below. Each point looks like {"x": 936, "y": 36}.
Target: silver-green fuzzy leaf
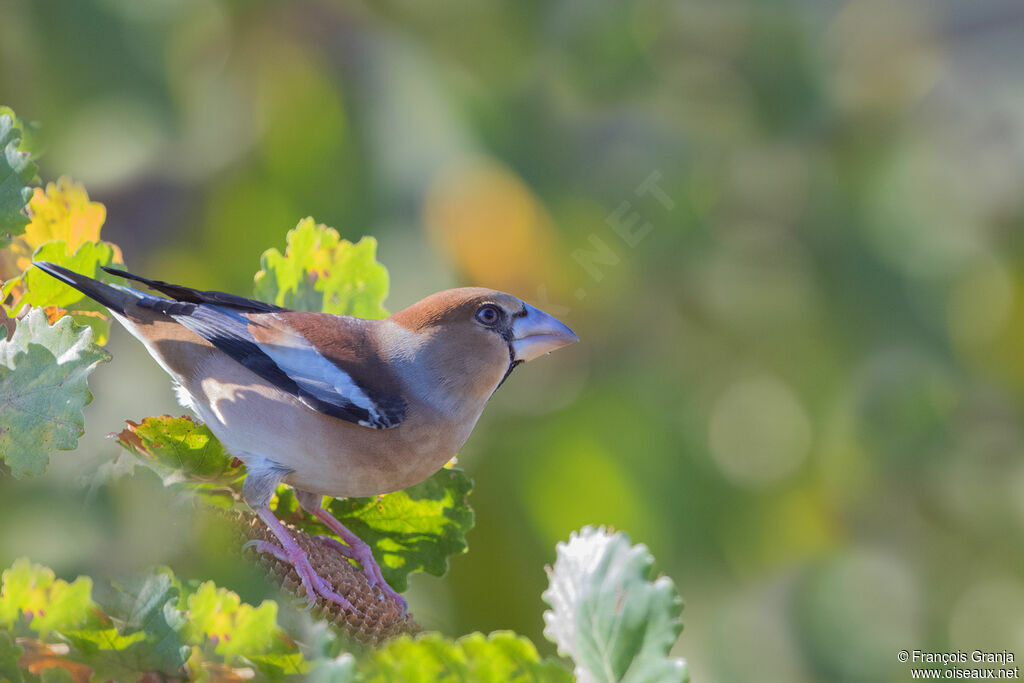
{"x": 43, "y": 373}
{"x": 608, "y": 615}
{"x": 340, "y": 670}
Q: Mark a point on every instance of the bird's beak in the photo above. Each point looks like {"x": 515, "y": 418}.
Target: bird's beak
{"x": 537, "y": 333}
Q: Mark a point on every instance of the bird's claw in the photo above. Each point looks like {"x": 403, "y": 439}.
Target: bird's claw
{"x": 371, "y": 569}
{"x": 345, "y": 550}
{"x": 313, "y": 583}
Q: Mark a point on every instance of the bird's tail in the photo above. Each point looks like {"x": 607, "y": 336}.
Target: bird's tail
{"x": 113, "y": 297}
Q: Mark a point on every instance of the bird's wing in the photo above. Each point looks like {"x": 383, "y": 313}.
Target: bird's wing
{"x": 329, "y": 362}
{"x": 266, "y": 344}
{"x": 334, "y": 361}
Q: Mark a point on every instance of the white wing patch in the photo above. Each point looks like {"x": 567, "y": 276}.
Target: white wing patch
{"x": 324, "y": 380}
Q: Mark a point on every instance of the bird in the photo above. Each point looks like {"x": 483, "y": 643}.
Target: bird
{"x": 331, "y": 405}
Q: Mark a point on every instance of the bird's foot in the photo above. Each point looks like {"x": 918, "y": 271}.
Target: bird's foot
{"x": 314, "y": 584}
{"x": 361, "y": 553}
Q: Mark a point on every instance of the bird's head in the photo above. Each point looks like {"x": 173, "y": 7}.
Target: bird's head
{"x": 475, "y": 337}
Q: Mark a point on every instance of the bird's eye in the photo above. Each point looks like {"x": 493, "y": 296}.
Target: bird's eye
{"x": 488, "y": 314}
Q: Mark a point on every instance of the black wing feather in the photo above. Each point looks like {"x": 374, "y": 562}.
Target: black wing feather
{"x": 198, "y": 296}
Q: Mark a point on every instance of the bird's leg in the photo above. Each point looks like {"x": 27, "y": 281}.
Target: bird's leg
{"x": 260, "y": 483}
{"x": 291, "y": 553}
{"x": 356, "y": 548}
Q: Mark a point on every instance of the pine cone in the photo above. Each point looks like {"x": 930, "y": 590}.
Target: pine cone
{"x": 377, "y": 617}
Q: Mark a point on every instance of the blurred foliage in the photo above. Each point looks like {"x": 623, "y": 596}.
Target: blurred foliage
{"x": 155, "y": 625}
{"x": 496, "y": 658}
{"x": 802, "y": 380}
{"x": 47, "y": 602}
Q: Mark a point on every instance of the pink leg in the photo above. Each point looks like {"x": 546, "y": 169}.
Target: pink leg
{"x": 291, "y": 553}
{"x": 357, "y": 550}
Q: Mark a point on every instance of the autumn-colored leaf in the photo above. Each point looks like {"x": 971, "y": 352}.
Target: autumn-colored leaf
{"x": 63, "y": 211}
{"x": 32, "y": 593}
{"x": 40, "y": 656}
{"x": 64, "y": 229}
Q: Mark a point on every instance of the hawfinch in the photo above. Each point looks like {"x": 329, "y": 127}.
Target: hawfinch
{"x": 330, "y": 404}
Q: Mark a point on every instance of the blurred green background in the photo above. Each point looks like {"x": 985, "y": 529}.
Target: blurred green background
{"x": 788, "y": 234}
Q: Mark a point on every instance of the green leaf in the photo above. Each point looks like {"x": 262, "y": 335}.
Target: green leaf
{"x": 187, "y": 454}
{"x": 42, "y": 289}
{"x": 111, "y": 655}
{"x": 241, "y": 633}
{"x": 279, "y": 664}
{"x": 505, "y": 656}
{"x": 16, "y": 172}
{"x": 502, "y": 656}
{"x": 9, "y": 654}
{"x": 32, "y": 593}
{"x": 607, "y": 614}
{"x": 321, "y": 272}
{"x": 30, "y": 132}
{"x": 147, "y": 604}
{"x": 236, "y": 628}
{"x": 56, "y": 674}
{"x": 153, "y": 623}
{"x": 413, "y": 530}
{"x": 43, "y": 388}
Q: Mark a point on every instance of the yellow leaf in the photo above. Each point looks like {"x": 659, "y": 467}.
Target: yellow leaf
{"x": 62, "y": 212}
